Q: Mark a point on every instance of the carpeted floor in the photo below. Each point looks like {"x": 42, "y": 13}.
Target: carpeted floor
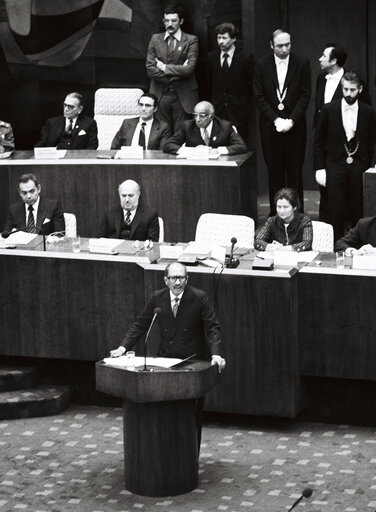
{"x": 74, "y": 462}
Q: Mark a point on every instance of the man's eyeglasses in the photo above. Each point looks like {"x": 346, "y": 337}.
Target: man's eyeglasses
{"x": 145, "y": 105}
{"x": 70, "y": 107}
{"x": 175, "y": 278}
{"x": 201, "y": 115}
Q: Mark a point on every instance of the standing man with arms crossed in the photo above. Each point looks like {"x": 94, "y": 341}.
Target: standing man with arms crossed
{"x": 230, "y": 79}
{"x": 343, "y": 149}
{"x": 282, "y": 88}
{"x": 187, "y": 322}
{"x": 170, "y": 64}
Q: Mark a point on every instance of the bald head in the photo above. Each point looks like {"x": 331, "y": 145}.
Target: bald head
{"x": 129, "y": 193}
{"x": 203, "y": 113}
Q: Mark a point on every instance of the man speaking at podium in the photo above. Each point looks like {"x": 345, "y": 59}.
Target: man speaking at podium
{"x": 187, "y": 322}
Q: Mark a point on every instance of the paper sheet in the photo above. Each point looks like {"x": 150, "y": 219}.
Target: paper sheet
{"x": 124, "y": 361}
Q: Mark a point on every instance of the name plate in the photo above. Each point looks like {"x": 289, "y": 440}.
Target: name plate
{"x": 48, "y": 153}
{"x": 170, "y": 252}
{"x": 366, "y": 261}
{"x": 130, "y": 153}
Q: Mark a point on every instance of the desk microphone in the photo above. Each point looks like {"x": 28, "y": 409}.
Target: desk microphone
{"x": 156, "y": 313}
{"x": 6, "y": 234}
{"x": 307, "y": 493}
{"x": 232, "y": 262}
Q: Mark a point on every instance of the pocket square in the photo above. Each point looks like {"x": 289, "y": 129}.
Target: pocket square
{"x": 81, "y": 132}
{"x": 46, "y": 220}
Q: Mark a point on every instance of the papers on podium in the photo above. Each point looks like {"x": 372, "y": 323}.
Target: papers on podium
{"x": 124, "y": 361}
{"x": 104, "y": 245}
{"x": 364, "y": 261}
{"x": 19, "y": 238}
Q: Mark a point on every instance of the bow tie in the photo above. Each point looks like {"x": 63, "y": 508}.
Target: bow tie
{"x": 329, "y": 77}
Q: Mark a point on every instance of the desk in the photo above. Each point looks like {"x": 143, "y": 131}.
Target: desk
{"x": 179, "y": 190}
{"x": 96, "y": 297}
{"x": 337, "y": 321}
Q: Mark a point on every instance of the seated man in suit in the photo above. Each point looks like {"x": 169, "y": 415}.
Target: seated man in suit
{"x": 130, "y": 220}
{"x": 207, "y": 130}
{"x": 6, "y": 137}
{"x": 72, "y": 130}
{"x": 146, "y": 131}
{"x": 35, "y": 214}
{"x": 360, "y": 239}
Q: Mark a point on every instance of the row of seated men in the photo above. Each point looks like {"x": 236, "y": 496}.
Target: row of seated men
{"x": 134, "y": 220}
{"x": 345, "y": 128}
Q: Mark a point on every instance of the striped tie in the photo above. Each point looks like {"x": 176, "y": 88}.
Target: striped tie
{"x": 175, "y": 307}
{"x": 30, "y": 227}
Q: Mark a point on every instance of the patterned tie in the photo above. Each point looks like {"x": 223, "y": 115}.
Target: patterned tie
{"x": 30, "y": 227}
{"x": 127, "y": 219}
{"x": 170, "y": 45}
{"x": 206, "y": 137}
{"x": 225, "y": 63}
{"x": 175, "y": 307}
{"x": 69, "y": 128}
{"x": 141, "y": 138}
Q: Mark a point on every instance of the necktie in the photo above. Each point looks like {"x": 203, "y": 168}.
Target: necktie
{"x": 127, "y": 219}
{"x": 69, "y": 128}
{"x": 225, "y": 63}
{"x": 170, "y": 45}
{"x": 175, "y": 307}
{"x": 206, "y": 137}
{"x": 30, "y": 227}
{"x": 141, "y": 138}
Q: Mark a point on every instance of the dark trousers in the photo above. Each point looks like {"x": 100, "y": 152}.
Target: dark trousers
{"x": 170, "y": 110}
{"x": 284, "y": 157}
{"x": 344, "y": 183}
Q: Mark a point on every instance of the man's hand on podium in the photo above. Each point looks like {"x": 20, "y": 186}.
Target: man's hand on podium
{"x": 120, "y": 351}
{"x": 220, "y": 361}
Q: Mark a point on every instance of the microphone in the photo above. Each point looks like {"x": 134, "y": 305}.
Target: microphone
{"x": 307, "y": 493}
{"x": 232, "y": 262}
{"x": 156, "y": 312}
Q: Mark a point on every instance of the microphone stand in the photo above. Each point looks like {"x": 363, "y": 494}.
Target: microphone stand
{"x": 156, "y": 311}
{"x": 232, "y": 262}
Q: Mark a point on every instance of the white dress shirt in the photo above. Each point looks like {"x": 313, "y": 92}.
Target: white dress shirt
{"x": 282, "y": 66}
{"x": 230, "y": 52}
{"x": 132, "y": 214}
{"x": 208, "y": 129}
{"x": 67, "y": 121}
{"x": 331, "y": 85}
{"x": 173, "y": 297}
{"x": 176, "y": 37}
{"x": 147, "y": 129}
{"x": 349, "y": 118}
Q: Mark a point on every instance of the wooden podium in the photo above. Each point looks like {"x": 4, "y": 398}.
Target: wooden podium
{"x": 160, "y": 434}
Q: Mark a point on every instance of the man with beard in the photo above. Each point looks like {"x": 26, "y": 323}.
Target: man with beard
{"x": 343, "y": 149}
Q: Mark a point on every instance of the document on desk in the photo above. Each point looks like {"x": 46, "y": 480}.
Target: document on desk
{"x": 124, "y": 361}
{"x": 288, "y": 257}
{"x": 19, "y": 238}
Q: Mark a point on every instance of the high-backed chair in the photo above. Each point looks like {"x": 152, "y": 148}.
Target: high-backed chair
{"x": 323, "y": 236}
{"x": 70, "y": 225}
{"x": 218, "y": 229}
{"x": 161, "y": 229}
{"x": 111, "y": 106}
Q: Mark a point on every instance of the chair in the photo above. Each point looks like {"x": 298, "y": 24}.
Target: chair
{"x": 111, "y": 106}
{"x": 70, "y": 225}
{"x": 161, "y": 229}
{"x": 323, "y": 236}
{"x": 218, "y": 229}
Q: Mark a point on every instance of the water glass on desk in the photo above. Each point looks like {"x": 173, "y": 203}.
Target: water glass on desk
{"x": 130, "y": 359}
{"x": 76, "y": 244}
{"x": 340, "y": 259}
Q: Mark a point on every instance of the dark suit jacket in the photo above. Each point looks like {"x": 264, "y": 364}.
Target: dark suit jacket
{"x": 55, "y": 127}
{"x": 363, "y": 233}
{"x": 195, "y": 330}
{"x": 48, "y": 209}
{"x": 177, "y": 74}
{"x": 320, "y": 92}
{"x": 223, "y": 134}
{"x": 230, "y": 93}
{"x": 159, "y": 134}
{"x": 144, "y": 226}
{"x": 298, "y": 83}
{"x": 330, "y": 136}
